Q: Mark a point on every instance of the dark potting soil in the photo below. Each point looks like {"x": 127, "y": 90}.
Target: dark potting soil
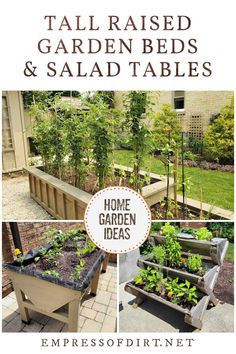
{"x": 66, "y": 263}
{"x": 159, "y": 212}
{"x": 224, "y": 288}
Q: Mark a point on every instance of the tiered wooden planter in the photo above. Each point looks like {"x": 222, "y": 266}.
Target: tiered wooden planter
{"x": 48, "y": 295}
{"x": 213, "y": 253}
{"x": 66, "y": 202}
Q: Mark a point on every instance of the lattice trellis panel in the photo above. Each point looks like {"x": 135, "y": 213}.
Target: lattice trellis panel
{"x": 196, "y": 126}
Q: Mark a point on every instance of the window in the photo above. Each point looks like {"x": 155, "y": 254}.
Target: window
{"x": 178, "y": 100}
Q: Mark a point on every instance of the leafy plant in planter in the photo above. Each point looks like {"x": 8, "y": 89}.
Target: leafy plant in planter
{"x": 137, "y": 104}
{"x": 146, "y": 248}
{"x": 142, "y": 276}
{"x": 52, "y": 273}
{"x": 158, "y": 254}
{"x": 78, "y": 269}
{"x": 102, "y": 133}
{"x": 89, "y": 248}
{"x": 79, "y": 145}
{"x": 168, "y": 230}
{"x": 203, "y": 234}
{"x": 194, "y": 262}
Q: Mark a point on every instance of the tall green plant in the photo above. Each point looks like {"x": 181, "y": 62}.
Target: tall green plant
{"x": 102, "y": 133}
{"x": 42, "y": 133}
{"x": 137, "y": 104}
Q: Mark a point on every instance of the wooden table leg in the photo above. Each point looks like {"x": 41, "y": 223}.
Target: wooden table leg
{"x": 20, "y": 297}
{"x": 105, "y": 263}
{"x": 94, "y": 283}
{"x": 73, "y": 315}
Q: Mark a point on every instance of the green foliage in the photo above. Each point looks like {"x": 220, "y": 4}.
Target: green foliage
{"x": 102, "y": 126}
{"x": 89, "y": 248}
{"x": 168, "y": 230}
{"x": 158, "y": 254}
{"x": 222, "y": 229}
{"x": 52, "y": 273}
{"x": 166, "y": 121}
{"x": 37, "y": 97}
{"x": 142, "y": 276}
{"x": 146, "y": 248}
{"x": 203, "y": 234}
{"x": 137, "y": 104}
{"x": 194, "y": 262}
{"x": 181, "y": 291}
{"x": 219, "y": 137}
{"x": 177, "y": 291}
{"x": 75, "y": 276}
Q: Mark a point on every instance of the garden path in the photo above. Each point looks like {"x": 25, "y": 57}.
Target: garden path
{"x": 16, "y": 201}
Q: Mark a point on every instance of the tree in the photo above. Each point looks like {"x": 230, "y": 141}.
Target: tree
{"x": 219, "y": 137}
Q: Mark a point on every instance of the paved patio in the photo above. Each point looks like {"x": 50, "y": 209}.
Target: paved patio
{"x": 98, "y": 314}
{"x": 16, "y": 201}
{"x": 155, "y": 317}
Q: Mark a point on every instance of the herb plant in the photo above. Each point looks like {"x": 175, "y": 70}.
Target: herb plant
{"x": 158, "y": 254}
{"x": 203, "y": 234}
{"x": 52, "y": 273}
{"x": 194, "y": 262}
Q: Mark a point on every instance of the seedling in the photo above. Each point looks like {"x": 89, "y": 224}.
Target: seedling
{"x": 75, "y": 276}
{"x": 52, "y": 273}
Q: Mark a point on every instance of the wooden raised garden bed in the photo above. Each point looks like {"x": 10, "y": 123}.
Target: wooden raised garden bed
{"x": 180, "y": 271}
{"x": 205, "y": 282}
{"x": 216, "y": 248}
{"x": 54, "y": 279}
{"x": 64, "y": 201}
{"x": 192, "y": 316}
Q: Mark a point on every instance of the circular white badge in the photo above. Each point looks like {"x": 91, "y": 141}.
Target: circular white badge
{"x": 117, "y": 219}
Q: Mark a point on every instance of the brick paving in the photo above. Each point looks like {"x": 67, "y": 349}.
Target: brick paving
{"x": 98, "y": 314}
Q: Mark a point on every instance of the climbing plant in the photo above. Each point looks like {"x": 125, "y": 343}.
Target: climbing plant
{"x": 137, "y": 105}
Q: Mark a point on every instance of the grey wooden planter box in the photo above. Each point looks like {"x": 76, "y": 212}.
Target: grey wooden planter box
{"x": 66, "y": 202}
{"x": 215, "y": 249}
{"x": 193, "y": 317}
{"x": 205, "y": 283}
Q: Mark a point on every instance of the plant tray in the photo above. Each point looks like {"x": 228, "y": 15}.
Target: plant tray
{"x": 194, "y": 316}
{"x": 205, "y": 283}
{"x": 215, "y": 249}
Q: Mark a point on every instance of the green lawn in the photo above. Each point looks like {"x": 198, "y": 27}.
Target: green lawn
{"x": 217, "y": 187}
{"x": 230, "y": 252}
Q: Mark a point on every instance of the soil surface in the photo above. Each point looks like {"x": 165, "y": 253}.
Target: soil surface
{"x": 66, "y": 262}
{"x": 224, "y": 288}
{"x": 159, "y": 212}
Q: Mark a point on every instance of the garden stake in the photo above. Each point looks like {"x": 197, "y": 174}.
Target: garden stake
{"x": 168, "y": 177}
{"x": 176, "y": 181}
{"x": 182, "y": 165}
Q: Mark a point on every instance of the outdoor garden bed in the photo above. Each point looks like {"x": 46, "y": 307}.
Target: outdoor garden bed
{"x": 58, "y": 274}
{"x": 180, "y": 270}
{"x": 193, "y": 312}
{"x": 64, "y": 201}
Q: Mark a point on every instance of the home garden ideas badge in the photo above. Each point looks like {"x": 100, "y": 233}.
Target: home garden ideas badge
{"x": 117, "y": 219}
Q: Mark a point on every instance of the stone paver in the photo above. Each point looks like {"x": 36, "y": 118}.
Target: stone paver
{"x": 155, "y": 317}
{"x": 98, "y": 314}
{"x": 16, "y": 201}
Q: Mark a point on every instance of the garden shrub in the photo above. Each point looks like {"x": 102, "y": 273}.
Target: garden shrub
{"x": 222, "y": 229}
{"x": 219, "y": 138}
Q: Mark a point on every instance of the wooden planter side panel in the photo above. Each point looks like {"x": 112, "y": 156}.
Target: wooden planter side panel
{"x": 205, "y": 284}
{"x": 216, "y": 249}
{"x": 60, "y": 199}
{"x": 66, "y": 202}
{"x": 193, "y": 317}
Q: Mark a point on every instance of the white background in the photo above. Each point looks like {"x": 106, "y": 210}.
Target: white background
{"x": 213, "y": 24}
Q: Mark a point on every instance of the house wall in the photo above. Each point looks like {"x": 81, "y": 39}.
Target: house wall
{"x": 14, "y": 146}
{"x": 199, "y": 106}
